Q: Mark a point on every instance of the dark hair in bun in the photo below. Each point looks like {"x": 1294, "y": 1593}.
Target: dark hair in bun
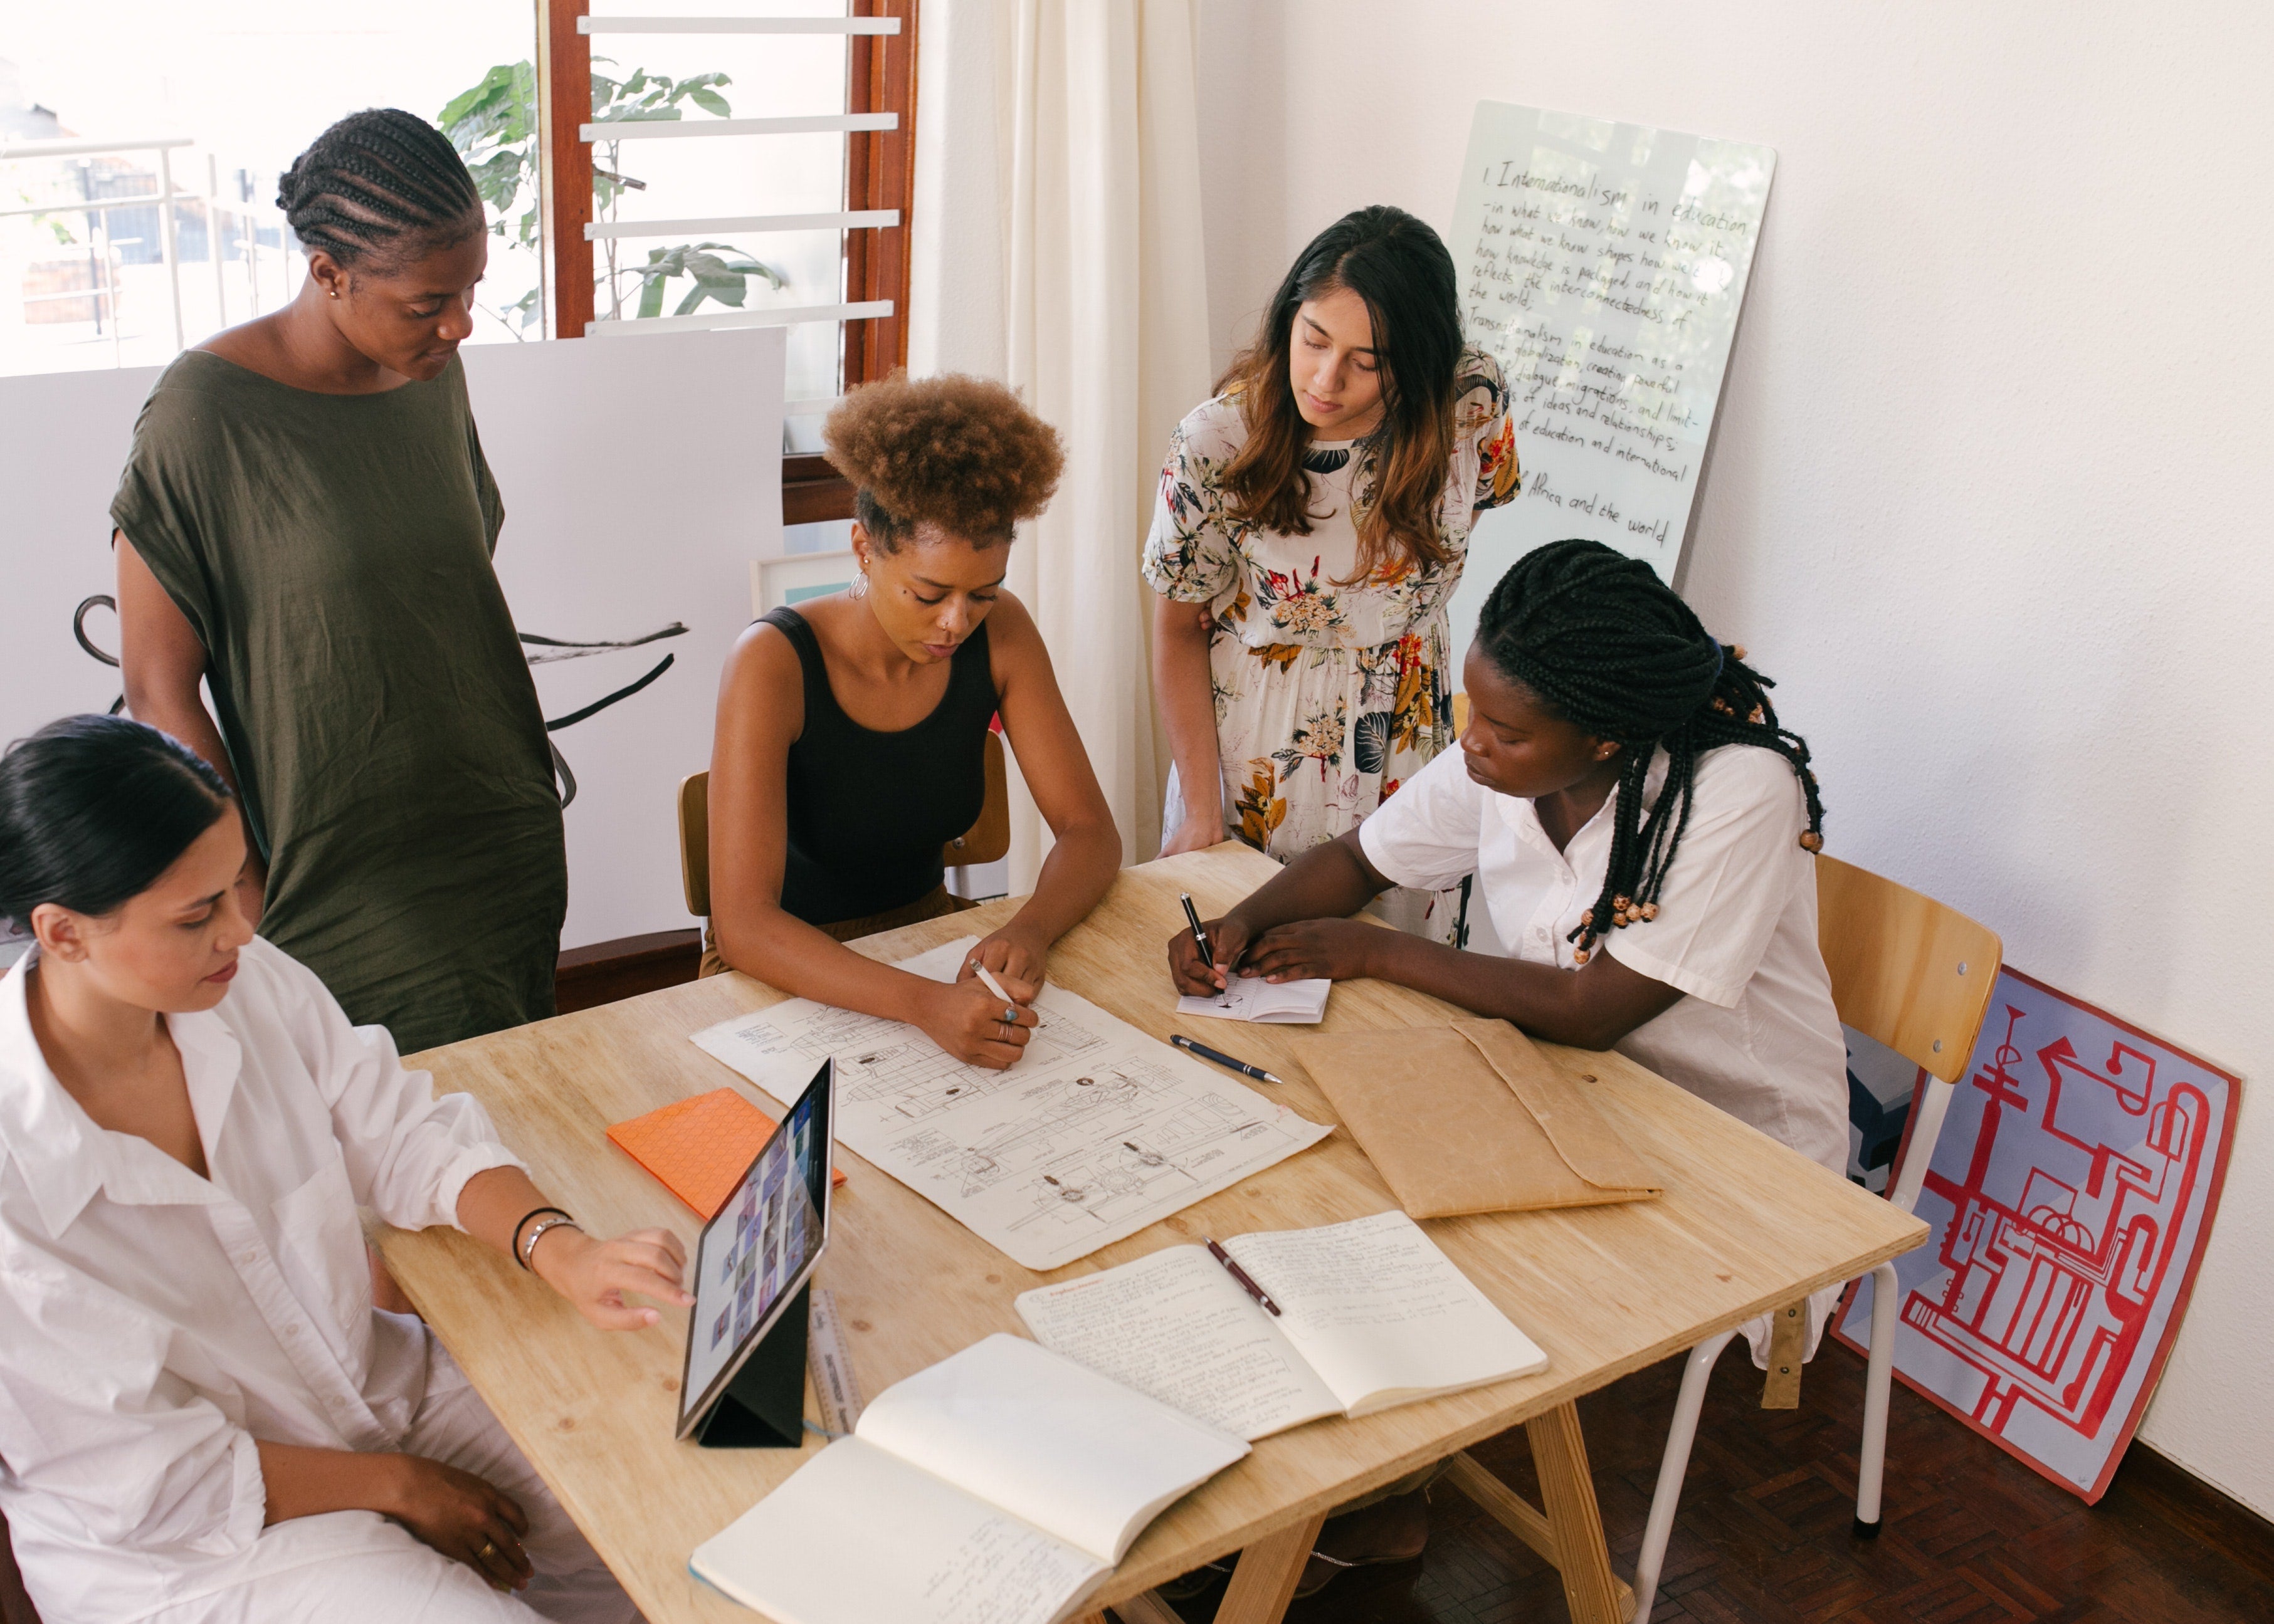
{"x": 92, "y": 809}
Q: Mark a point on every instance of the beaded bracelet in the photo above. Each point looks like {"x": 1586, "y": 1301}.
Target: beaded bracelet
{"x": 520, "y": 1253}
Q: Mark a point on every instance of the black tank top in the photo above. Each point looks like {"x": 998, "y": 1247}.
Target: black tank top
{"x": 868, "y": 811}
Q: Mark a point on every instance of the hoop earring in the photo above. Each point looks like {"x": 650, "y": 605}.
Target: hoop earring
{"x": 860, "y": 587}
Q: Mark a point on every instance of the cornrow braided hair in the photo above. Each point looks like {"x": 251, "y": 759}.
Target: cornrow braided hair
{"x": 376, "y": 181}
{"x": 1607, "y": 644}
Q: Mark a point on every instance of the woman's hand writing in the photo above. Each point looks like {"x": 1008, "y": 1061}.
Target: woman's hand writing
{"x": 1015, "y": 956}
{"x": 970, "y": 1022}
{"x": 595, "y": 1275}
{"x": 1197, "y": 978}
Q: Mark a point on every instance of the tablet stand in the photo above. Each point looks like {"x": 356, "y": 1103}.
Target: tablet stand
{"x": 764, "y": 1406}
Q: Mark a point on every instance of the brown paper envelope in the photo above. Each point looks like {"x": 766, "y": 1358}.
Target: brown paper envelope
{"x": 1561, "y": 1108}
{"x": 1451, "y": 1132}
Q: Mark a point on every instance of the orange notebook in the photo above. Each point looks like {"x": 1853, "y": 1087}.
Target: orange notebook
{"x": 699, "y": 1147}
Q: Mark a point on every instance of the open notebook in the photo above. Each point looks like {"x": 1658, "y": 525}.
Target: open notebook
{"x": 998, "y": 1486}
{"x": 1251, "y": 998}
{"x": 1372, "y": 1314}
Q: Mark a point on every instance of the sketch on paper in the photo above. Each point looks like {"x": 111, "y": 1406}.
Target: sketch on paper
{"x": 1097, "y": 1131}
{"x": 2071, "y": 1193}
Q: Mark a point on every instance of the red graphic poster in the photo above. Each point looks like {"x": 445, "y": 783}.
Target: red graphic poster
{"x": 2071, "y": 1194}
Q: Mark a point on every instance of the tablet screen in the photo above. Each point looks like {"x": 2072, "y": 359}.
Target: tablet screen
{"x": 758, "y": 1251}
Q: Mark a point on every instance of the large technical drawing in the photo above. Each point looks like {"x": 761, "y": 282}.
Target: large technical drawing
{"x": 1097, "y": 1131}
{"x": 2071, "y": 1189}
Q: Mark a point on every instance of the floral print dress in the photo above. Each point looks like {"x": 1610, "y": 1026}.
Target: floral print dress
{"x": 1329, "y": 692}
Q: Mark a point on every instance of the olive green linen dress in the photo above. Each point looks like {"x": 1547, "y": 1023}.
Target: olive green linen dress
{"x": 333, "y": 552}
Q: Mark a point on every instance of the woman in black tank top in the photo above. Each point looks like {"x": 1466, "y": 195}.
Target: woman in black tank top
{"x": 851, "y": 731}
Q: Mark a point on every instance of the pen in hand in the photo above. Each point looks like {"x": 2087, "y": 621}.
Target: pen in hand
{"x": 1240, "y": 1274}
{"x": 1199, "y": 937}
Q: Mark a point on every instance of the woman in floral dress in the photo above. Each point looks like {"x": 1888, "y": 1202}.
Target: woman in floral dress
{"x": 1313, "y": 521}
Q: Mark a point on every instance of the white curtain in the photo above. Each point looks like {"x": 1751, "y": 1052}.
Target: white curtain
{"x": 1057, "y": 247}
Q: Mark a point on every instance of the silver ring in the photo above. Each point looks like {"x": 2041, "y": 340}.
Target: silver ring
{"x": 1010, "y": 1015}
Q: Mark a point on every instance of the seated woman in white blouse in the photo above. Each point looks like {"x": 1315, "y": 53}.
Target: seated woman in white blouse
{"x": 1639, "y": 828}
{"x": 202, "y": 1417}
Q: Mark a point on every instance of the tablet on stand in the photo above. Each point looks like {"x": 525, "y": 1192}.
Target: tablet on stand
{"x": 743, "y": 1385}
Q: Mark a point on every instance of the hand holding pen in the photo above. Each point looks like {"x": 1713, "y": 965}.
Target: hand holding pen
{"x": 1202, "y": 956}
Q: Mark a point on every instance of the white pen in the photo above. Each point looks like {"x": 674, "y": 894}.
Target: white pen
{"x": 1010, "y": 1005}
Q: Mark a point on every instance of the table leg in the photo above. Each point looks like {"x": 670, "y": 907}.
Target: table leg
{"x": 1263, "y": 1582}
{"x": 1559, "y": 1454}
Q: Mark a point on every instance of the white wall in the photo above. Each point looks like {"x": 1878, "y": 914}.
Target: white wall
{"x": 641, "y": 476}
{"x": 1989, "y": 495}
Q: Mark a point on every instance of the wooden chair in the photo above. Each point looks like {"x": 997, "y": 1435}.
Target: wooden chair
{"x": 986, "y": 841}
{"x": 1916, "y": 977}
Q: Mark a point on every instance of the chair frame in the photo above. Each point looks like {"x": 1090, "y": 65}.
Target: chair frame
{"x": 1918, "y": 977}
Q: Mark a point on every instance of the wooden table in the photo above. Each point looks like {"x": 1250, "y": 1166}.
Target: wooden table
{"x": 1745, "y": 1225}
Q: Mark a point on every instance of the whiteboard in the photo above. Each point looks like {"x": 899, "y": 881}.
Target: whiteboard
{"x": 641, "y": 479}
{"x": 1603, "y": 266}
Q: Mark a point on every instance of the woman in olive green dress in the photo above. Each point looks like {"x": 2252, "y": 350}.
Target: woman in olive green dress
{"x": 306, "y": 525}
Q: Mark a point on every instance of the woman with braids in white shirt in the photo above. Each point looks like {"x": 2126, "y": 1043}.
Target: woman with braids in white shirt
{"x": 1639, "y": 826}
{"x": 202, "y": 1417}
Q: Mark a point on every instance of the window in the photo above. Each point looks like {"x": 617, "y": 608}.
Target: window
{"x": 762, "y": 175}
{"x": 104, "y": 102}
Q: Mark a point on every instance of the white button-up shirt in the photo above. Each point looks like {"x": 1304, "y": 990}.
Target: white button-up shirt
{"x": 1735, "y": 927}
{"x": 155, "y": 1323}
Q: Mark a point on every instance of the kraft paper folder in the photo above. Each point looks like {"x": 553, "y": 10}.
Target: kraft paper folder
{"x": 698, "y": 1148}
{"x": 1470, "y": 1118}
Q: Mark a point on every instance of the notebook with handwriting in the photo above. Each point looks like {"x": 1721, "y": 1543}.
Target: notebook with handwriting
{"x": 1000, "y": 1484}
{"x": 1372, "y": 1315}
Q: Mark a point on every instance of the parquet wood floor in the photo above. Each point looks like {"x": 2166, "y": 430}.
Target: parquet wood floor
{"x": 1971, "y": 1536}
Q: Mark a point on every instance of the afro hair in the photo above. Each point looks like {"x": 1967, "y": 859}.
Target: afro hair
{"x": 960, "y": 453}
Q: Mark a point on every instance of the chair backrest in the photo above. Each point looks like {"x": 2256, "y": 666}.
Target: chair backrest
{"x": 984, "y": 842}
{"x": 695, "y": 842}
{"x": 1906, "y": 971}
{"x": 988, "y": 840}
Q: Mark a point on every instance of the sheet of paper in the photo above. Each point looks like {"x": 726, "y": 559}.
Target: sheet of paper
{"x": 1097, "y": 1131}
{"x": 1251, "y": 998}
{"x": 1380, "y": 1313}
{"x": 1079, "y": 1456}
{"x": 856, "y": 1535}
{"x": 1176, "y": 1325}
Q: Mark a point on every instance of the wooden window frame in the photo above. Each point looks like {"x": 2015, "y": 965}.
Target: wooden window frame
{"x": 879, "y": 173}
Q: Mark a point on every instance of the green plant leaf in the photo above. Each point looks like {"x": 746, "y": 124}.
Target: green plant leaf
{"x": 711, "y": 101}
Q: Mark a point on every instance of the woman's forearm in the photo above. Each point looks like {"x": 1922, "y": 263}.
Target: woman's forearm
{"x": 1328, "y": 882}
{"x": 783, "y": 951}
{"x": 1184, "y": 686}
{"x": 1081, "y": 867}
{"x": 302, "y": 1482}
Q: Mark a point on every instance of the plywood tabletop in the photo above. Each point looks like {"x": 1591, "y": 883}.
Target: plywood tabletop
{"x": 1745, "y": 1225}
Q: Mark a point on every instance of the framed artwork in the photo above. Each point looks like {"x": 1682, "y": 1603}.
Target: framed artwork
{"x": 2071, "y": 1194}
{"x": 785, "y": 583}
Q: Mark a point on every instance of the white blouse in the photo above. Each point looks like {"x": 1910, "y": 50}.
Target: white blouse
{"x": 1735, "y": 929}
{"x": 157, "y": 1323}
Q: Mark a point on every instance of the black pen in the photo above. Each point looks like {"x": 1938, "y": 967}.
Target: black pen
{"x": 1241, "y": 1276}
{"x": 1221, "y": 1058}
{"x": 1199, "y": 937}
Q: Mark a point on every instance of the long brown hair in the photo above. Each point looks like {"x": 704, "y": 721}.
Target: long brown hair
{"x": 1399, "y": 267}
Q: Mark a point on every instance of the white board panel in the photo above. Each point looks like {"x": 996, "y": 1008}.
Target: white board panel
{"x": 1604, "y": 265}
{"x": 640, "y": 481}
